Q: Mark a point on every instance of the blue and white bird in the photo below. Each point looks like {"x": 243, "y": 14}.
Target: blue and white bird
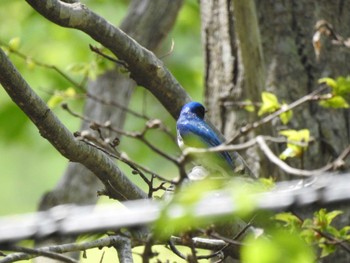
{"x": 194, "y": 131}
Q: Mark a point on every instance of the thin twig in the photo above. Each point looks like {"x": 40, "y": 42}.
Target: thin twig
{"x": 261, "y": 141}
{"x": 99, "y": 52}
{"x": 175, "y": 250}
{"x": 79, "y": 86}
{"x": 136, "y": 135}
{"x": 291, "y": 170}
{"x": 270, "y": 117}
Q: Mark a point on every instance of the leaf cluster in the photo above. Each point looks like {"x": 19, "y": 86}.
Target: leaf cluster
{"x": 318, "y": 230}
{"x": 339, "y": 95}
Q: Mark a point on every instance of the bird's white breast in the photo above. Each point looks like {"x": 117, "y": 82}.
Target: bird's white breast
{"x": 180, "y": 141}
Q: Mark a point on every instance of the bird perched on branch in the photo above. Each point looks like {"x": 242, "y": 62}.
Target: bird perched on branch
{"x": 194, "y": 131}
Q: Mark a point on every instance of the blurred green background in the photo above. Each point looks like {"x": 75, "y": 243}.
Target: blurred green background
{"x": 29, "y": 165}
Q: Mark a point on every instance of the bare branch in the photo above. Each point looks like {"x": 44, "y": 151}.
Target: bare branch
{"x": 61, "y": 138}
{"x": 124, "y": 250}
{"x": 145, "y": 68}
{"x": 309, "y": 97}
{"x": 285, "y": 167}
{"x": 261, "y": 141}
{"x": 117, "y": 241}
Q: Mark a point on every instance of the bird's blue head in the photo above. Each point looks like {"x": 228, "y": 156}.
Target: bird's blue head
{"x": 194, "y": 108}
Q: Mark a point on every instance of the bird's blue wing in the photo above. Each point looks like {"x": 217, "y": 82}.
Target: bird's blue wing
{"x": 197, "y": 133}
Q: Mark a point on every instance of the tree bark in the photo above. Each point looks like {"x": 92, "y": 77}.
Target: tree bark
{"x": 291, "y": 70}
{"x": 234, "y": 66}
{"x": 287, "y": 29}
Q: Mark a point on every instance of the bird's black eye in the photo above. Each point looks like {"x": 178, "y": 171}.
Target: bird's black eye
{"x": 200, "y": 111}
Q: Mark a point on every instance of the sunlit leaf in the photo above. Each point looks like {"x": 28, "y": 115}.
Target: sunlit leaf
{"x": 344, "y": 232}
{"x": 288, "y": 218}
{"x": 326, "y": 249}
{"x": 328, "y": 81}
{"x": 335, "y": 102}
{"x": 267, "y": 183}
{"x": 269, "y": 103}
{"x": 60, "y": 96}
{"x": 55, "y": 100}
{"x": 69, "y": 93}
{"x": 324, "y": 218}
{"x": 14, "y": 43}
{"x": 343, "y": 86}
{"x": 286, "y": 116}
{"x": 295, "y": 149}
{"x": 296, "y": 135}
{"x": 290, "y": 152}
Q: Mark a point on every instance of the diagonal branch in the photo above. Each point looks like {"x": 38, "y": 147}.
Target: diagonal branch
{"x": 117, "y": 241}
{"x": 145, "y": 68}
{"x": 117, "y": 184}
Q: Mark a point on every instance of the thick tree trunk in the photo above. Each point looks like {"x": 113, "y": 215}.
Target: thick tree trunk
{"x": 290, "y": 70}
{"x": 287, "y": 29}
{"x": 234, "y": 67}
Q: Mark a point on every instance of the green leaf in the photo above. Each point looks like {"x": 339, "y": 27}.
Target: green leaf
{"x": 55, "y": 100}
{"x": 295, "y": 149}
{"x": 323, "y": 220}
{"x": 286, "y": 116}
{"x": 343, "y": 86}
{"x": 267, "y": 183}
{"x": 281, "y": 246}
{"x": 290, "y": 221}
{"x": 269, "y": 103}
{"x": 309, "y": 235}
{"x": 60, "y": 96}
{"x": 286, "y": 217}
{"x": 344, "y": 232}
{"x": 328, "y": 81}
{"x": 69, "y": 93}
{"x": 327, "y": 249}
{"x": 289, "y": 152}
{"x": 14, "y": 43}
{"x": 334, "y": 102}
{"x": 331, "y": 215}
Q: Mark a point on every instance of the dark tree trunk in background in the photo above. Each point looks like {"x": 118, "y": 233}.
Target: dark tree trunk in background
{"x": 286, "y": 30}
{"x": 234, "y": 67}
{"x": 293, "y": 71}
{"x": 148, "y": 22}
{"x": 290, "y": 70}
